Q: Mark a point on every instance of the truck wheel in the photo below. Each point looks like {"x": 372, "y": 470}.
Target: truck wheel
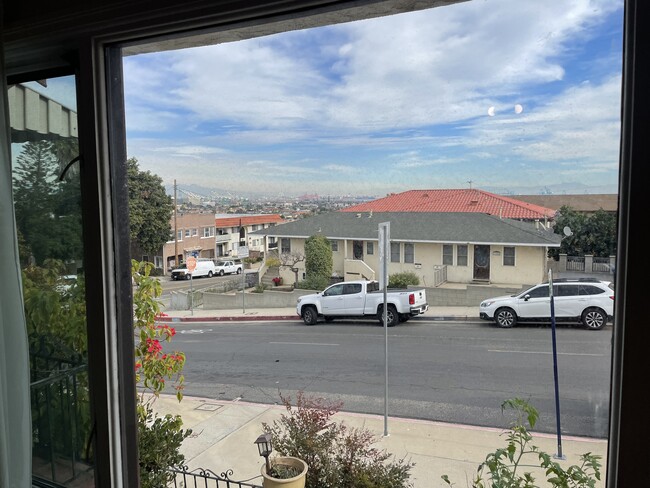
{"x": 221, "y": 273}
{"x": 404, "y": 317}
{"x": 210, "y": 274}
{"x": 309, "y": 315}
{"x": 391, "y": 316}
{"x": 238, "y": 270}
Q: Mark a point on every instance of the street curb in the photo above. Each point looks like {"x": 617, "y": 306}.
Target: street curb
{"x": 281, "y": 318}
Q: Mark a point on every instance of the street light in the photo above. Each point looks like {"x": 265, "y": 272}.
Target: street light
{"x": 265, "y": 447}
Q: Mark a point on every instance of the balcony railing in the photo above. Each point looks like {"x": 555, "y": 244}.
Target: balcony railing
{"x": 207, "y": 479}
{"x": 221, "y": 238}
{"x": 61, "y": 422}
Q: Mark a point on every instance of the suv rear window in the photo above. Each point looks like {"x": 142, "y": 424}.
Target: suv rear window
{"x": 590, "y": 290}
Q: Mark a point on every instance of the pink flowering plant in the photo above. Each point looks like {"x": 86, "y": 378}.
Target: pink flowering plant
{"x": 154, "y": 367}
{"x": 159, "y": 438}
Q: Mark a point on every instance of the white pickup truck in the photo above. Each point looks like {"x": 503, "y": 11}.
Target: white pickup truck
{"x": 361, "y": 299}
{"x": 228, "y": 267}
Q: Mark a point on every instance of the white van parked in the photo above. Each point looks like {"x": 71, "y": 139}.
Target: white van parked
{"x": 204, "y": 267}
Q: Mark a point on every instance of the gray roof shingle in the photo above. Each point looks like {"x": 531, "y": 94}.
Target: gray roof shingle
{"x": 447, "y": 227}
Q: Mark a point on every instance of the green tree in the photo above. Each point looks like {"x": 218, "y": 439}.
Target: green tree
{"x": 150, "y": 209}
{"x": 594, "y": 234}
{"x": 318, "y": 257}
{"x": 48, "y": 211}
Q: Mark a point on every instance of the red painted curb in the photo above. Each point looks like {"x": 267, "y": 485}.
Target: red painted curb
{"x": 227, "y": 319}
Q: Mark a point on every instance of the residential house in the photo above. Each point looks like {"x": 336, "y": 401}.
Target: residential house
{"x": 87, "y": 40}
{"x": 437, "y": 247}
{"x": 585, "y": 203}
{"x": 206, "y": 235}
{"x": 456, "y": 200}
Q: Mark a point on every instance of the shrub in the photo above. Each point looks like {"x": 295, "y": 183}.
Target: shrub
{"x": 159, "y": 438}
{"x": 402, "y": 280}
{"x": 318, "y": 256}
{"x": 259, "y": 288}
{"x": 500, "y": 467}
{"x": 313, "y": 283}
{"x": 338, "y": 456}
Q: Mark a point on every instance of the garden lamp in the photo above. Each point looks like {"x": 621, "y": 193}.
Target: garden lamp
{"x": 265, "y": 447}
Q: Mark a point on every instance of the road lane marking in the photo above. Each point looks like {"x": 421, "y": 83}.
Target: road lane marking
{"x": 305, "y": 343}
{"x": 546, "y": 352}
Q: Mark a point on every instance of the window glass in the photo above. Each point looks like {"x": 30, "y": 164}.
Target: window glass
{"x": 334, "y": 245}
{"x": 590, "y": 290}
{"x": 315, "y": 123}
{"x": 335, "y": 290}
{"x": 448, "y": 254}
{"x": 394, "y": 252}
{"x": 409, "y": 256}
{"x": 285, "y": 244}
{"x": 352, "y": 288}
{"x": 565, "y": 290}
{"x": 47, "y": 198}
{"x": 538, "y": 292}
{"x": 461, "y": 255}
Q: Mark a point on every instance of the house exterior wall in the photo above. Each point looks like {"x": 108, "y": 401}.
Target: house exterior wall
{"x": 529, "y": 268}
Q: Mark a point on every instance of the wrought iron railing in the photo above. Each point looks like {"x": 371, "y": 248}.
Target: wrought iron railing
{"x": 575, "y": 263}
{"x": 184, "y": 478}
{"x": 61, "y": 425}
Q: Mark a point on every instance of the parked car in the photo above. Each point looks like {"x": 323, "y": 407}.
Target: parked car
{"x": 361, "y": 299}
{"x": 587, "y": 301}
{"x": 204, "y": 267}
{"x": 229, "y": 267}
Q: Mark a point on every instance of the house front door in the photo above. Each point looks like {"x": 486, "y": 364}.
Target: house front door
{"x": 481, "y": 262}
{"x": 357, "y": 249}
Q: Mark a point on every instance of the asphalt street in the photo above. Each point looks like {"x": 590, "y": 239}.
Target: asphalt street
{"x": 456, "y": 372}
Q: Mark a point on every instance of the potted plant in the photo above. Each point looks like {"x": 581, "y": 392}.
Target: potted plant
{"x": 284, "y": 472}
{"x": 277, "y": 280}
{"x": 281, "y": 471}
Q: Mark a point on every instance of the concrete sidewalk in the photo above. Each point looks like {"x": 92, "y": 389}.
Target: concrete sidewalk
{"x": 223, "y": 435}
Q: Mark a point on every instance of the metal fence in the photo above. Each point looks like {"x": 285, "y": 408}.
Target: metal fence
{"x": 575, "y": 263}
{"x": 439, "y": 274}
{"x": 601, "y": 265}
{"x": 61, "y": 424}
{"x": 184, "y": 478}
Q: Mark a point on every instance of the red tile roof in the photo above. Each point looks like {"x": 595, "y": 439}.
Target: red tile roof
{"x": 462, "y": 200}
{"x": 238, "y": 220}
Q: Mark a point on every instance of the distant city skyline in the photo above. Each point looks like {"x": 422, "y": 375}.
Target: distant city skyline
{"x": 516, "y": 97}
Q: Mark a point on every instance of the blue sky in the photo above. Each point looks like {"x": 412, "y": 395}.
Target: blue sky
{"x": 392, "y": 104}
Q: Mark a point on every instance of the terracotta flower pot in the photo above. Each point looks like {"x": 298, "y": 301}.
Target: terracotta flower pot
{"x": 295, "y": 482}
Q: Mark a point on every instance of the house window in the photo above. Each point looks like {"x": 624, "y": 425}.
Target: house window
{"x": 188, "y": 232}
{"x": 195, "y": 232}
{"x": 334, "y": 245}
{"x": 158, "y": 261}
{"x": 285, "y": 245}
{"x": 508, "y": 256}
{"x": 370, "y": 248}
{"x": 461, "y": 255}
{"x": 208, "y": 232}
{"x": 448, "y": 254}
{"x": 394, "y": 252}
{"x": 179, "y": 235}
{"x": 409, "y": 252}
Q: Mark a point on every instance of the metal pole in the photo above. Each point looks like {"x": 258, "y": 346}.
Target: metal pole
{"x": 175, "y": 229}
{"x": 191, "y": 295}
{"x": 384, "y": 239}
{"x": 559, "y": 454}
{"x": 243, "y": 288}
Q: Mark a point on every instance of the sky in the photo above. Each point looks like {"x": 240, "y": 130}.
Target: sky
{"x": 509, "y": 96}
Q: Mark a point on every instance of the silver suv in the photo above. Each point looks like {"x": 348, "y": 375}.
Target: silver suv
{"x": 587, "y": 301}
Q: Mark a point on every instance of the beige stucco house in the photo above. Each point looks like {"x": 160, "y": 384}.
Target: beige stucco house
{"x": 438, "y": 247}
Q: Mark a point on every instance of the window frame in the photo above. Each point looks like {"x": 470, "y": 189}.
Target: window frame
{"x": 409, "y": 257}
{"x": 462, "y": 259}
{"x": 625, "y": 464}
{"x": 512, "y": 257}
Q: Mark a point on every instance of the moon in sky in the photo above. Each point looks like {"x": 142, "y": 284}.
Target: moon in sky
{"x": 491, "y": 111}
{"x": 519, "y": 109}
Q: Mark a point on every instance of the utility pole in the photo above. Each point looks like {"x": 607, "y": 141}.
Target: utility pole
{"x": 175, "y": 228}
